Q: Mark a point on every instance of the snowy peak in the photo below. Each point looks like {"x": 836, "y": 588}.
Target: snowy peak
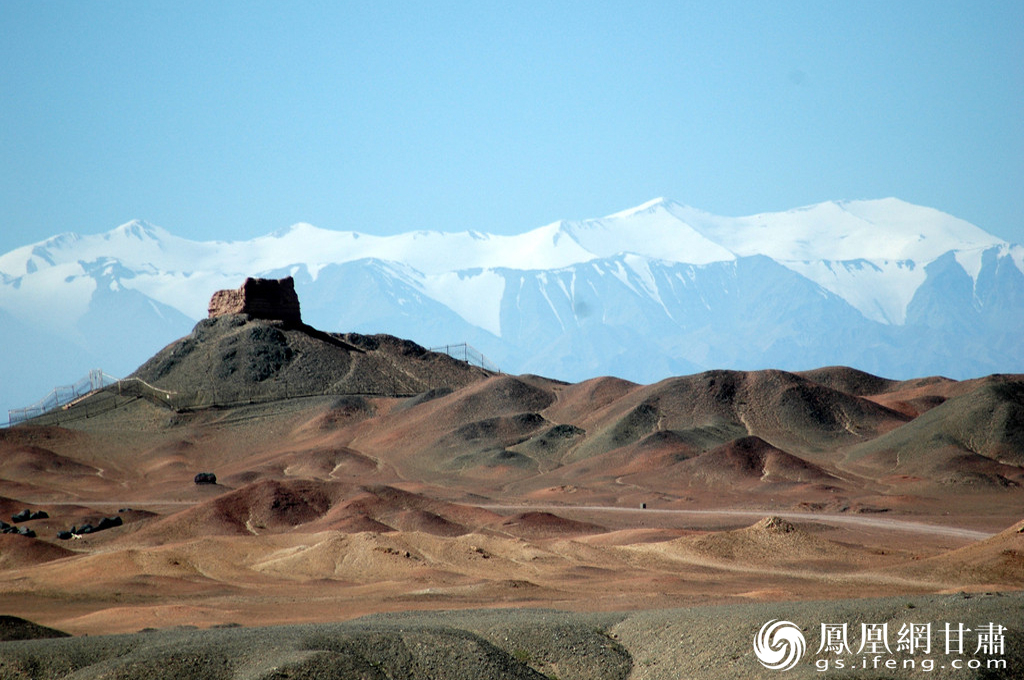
{"x": 138, "y": 230}
{"x": 649, "y": 206}
{"x": 885, "y": 229}
{"x": 872, "y": 254}
{"x": 655, "y": 290}
{"x": 880, "y": 230}
{"x": 652, "y": 230}
{"x": 929, "y": 232}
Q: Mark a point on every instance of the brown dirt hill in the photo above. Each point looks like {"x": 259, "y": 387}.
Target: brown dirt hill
{"x": 462, "y": 434}
{"x": 272, "y": 506}
{"x": 975, "y": 439}
{"x": 919, "y": 395}
{"x": 909, "y": 397}
{"x": 235, "y": 358}
{"x": 20, "y": 551}
{"x": 582, "y": 402}
{"x": 771, "y": 541}
{"x": 849, "y": 380}
{"x": 548, "y": 525}
{"x": 994, "y": 561}
{"x": 28, "y": 468}
{"x": 709, "y": 409}
{"x": 383, "y": 508}
{"x": 32, "y": 461}
{"x": 265, "y": 506}
{"x": 750, "y": 461}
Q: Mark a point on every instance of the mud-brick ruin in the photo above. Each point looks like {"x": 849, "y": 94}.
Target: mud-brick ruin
{"x": 261, "y": 299}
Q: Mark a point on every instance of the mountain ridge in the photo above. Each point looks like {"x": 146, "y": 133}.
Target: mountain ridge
{"x": 655, "y": 290}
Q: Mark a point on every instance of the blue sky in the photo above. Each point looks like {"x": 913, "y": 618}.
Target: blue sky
{"x": 230, "y": 120}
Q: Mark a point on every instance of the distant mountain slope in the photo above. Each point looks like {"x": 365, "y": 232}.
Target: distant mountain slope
{"x": 659, "y": 290}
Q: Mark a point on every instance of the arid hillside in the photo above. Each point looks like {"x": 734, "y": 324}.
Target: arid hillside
{"x": 345, "y": 475}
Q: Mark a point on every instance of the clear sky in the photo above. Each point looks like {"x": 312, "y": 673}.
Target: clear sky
{"x": 229, "y": 120}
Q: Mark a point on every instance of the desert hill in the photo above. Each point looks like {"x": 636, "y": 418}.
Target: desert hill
{"x": 346, "y": 474}
{"x": 379, "y": 409}
{"x": 995, "y": 560}
{"x": 749, "y": 461}
{"x": 770, "y": 542}
{"x": 973, "y": 439}
{"x": 231, "y": 358}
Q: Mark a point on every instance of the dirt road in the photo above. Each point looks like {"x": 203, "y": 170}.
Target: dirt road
{"x": 887, "y": 523}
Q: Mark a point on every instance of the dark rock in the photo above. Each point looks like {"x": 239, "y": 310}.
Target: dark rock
{"x": 14, "y": 628}
{"x": 108, "y": 522}
{"x": 206, "y": 478}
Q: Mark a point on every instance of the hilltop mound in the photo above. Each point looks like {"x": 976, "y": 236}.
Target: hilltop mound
{"x": 264, "y": 506}
{"x": 466, "y": 432}
{"x": 35, "y": 460}
{"x": 18, "y": 551}
{"x": 503, "y": 395}
{"x": 272, "y": 506}
{"x": 383, "y": 508}
{"x": 232, "y": 358}
{"x": 770, "y": 541}
{"x": 548, "y": 525}
{"x": 849, "y": 380}
{"x": 751, "y": 459}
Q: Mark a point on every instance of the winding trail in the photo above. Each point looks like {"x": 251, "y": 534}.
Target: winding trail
{"x": 827, "y": 518}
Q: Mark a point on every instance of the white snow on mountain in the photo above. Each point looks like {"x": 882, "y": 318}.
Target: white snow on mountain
{"x": 475, "y": 295}
{"x": 870, "y": 253}
{"x": 651, "y": 230}
{"x": 659, "y": 287}
{"x": 885, "y": 229}
{"x": 878, "y": 289}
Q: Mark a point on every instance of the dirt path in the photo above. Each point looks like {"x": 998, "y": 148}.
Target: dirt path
{"x": 827, "y": 518}
{"x": 886, "y": 523}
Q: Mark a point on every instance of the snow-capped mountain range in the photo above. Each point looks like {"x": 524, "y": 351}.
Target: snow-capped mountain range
{"x": 660, "y": 289}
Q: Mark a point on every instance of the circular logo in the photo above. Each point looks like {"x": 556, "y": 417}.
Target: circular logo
{"x": 779, "y": 645}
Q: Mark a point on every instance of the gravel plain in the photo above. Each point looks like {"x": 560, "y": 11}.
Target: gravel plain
{"x": 671, "y": 644}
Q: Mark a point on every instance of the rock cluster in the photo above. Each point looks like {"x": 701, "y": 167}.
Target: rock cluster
{"x": 102, "y": 525}
{"x": 273, "y": 299}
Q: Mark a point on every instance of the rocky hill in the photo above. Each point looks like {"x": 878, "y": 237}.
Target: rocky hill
{"x": 254, "y": 346}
